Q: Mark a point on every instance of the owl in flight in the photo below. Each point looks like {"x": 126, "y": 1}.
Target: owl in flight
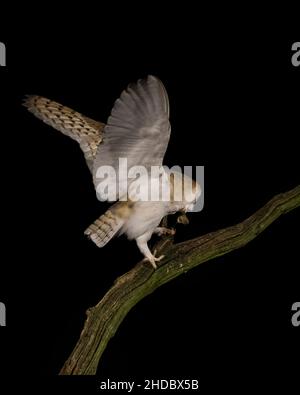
{"x": 138, "y": 129}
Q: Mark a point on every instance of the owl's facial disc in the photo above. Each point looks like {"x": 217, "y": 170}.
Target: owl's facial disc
{"x": 192, "y": 196}
{"x": 189, "y": 207}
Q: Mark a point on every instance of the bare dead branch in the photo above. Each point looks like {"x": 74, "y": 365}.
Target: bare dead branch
{"x": 104, "y": 319}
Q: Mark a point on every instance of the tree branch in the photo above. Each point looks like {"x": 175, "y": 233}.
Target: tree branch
{"x": 104, "y": 319}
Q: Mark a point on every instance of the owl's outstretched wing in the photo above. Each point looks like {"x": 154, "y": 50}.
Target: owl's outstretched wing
{"x": 138, "y": 130}
{"x": 86, "y": 131}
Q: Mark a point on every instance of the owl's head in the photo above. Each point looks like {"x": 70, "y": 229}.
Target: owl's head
{"x": 191, "y": 193}
{"x": 184, "y": 191}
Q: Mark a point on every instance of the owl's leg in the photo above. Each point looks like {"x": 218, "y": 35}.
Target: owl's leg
{"x": 143, "y": 247}
{"x": 161, "y": 230}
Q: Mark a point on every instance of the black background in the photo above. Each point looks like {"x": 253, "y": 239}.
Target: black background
{"x": 234, "y": 98}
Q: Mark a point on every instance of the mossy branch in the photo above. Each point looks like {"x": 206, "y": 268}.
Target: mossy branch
{"x": 104, "y": 319}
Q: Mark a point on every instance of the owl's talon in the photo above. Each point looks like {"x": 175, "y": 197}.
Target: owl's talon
{"x": 152, "y": 259}
{"x": 154, "y": 265}
{"x": 159, "y": 258}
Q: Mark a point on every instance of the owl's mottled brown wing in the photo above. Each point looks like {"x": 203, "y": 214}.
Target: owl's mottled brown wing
{"x": 86, "y": 131}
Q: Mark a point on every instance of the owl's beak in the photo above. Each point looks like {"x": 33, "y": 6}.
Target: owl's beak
{"x": 183, "y": 219}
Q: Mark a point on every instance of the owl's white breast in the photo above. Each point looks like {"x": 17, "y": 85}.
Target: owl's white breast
{"x": 145, "y": 217}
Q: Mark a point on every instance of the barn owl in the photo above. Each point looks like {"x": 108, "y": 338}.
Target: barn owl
{"x": 137, "y": 129}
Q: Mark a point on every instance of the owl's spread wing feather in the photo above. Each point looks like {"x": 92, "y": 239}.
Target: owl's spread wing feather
{"x": 86, "y": 131}
{"x": 138, "y": 129}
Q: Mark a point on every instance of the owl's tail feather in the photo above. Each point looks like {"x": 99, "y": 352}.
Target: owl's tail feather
{"x": 105, "y": 227}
